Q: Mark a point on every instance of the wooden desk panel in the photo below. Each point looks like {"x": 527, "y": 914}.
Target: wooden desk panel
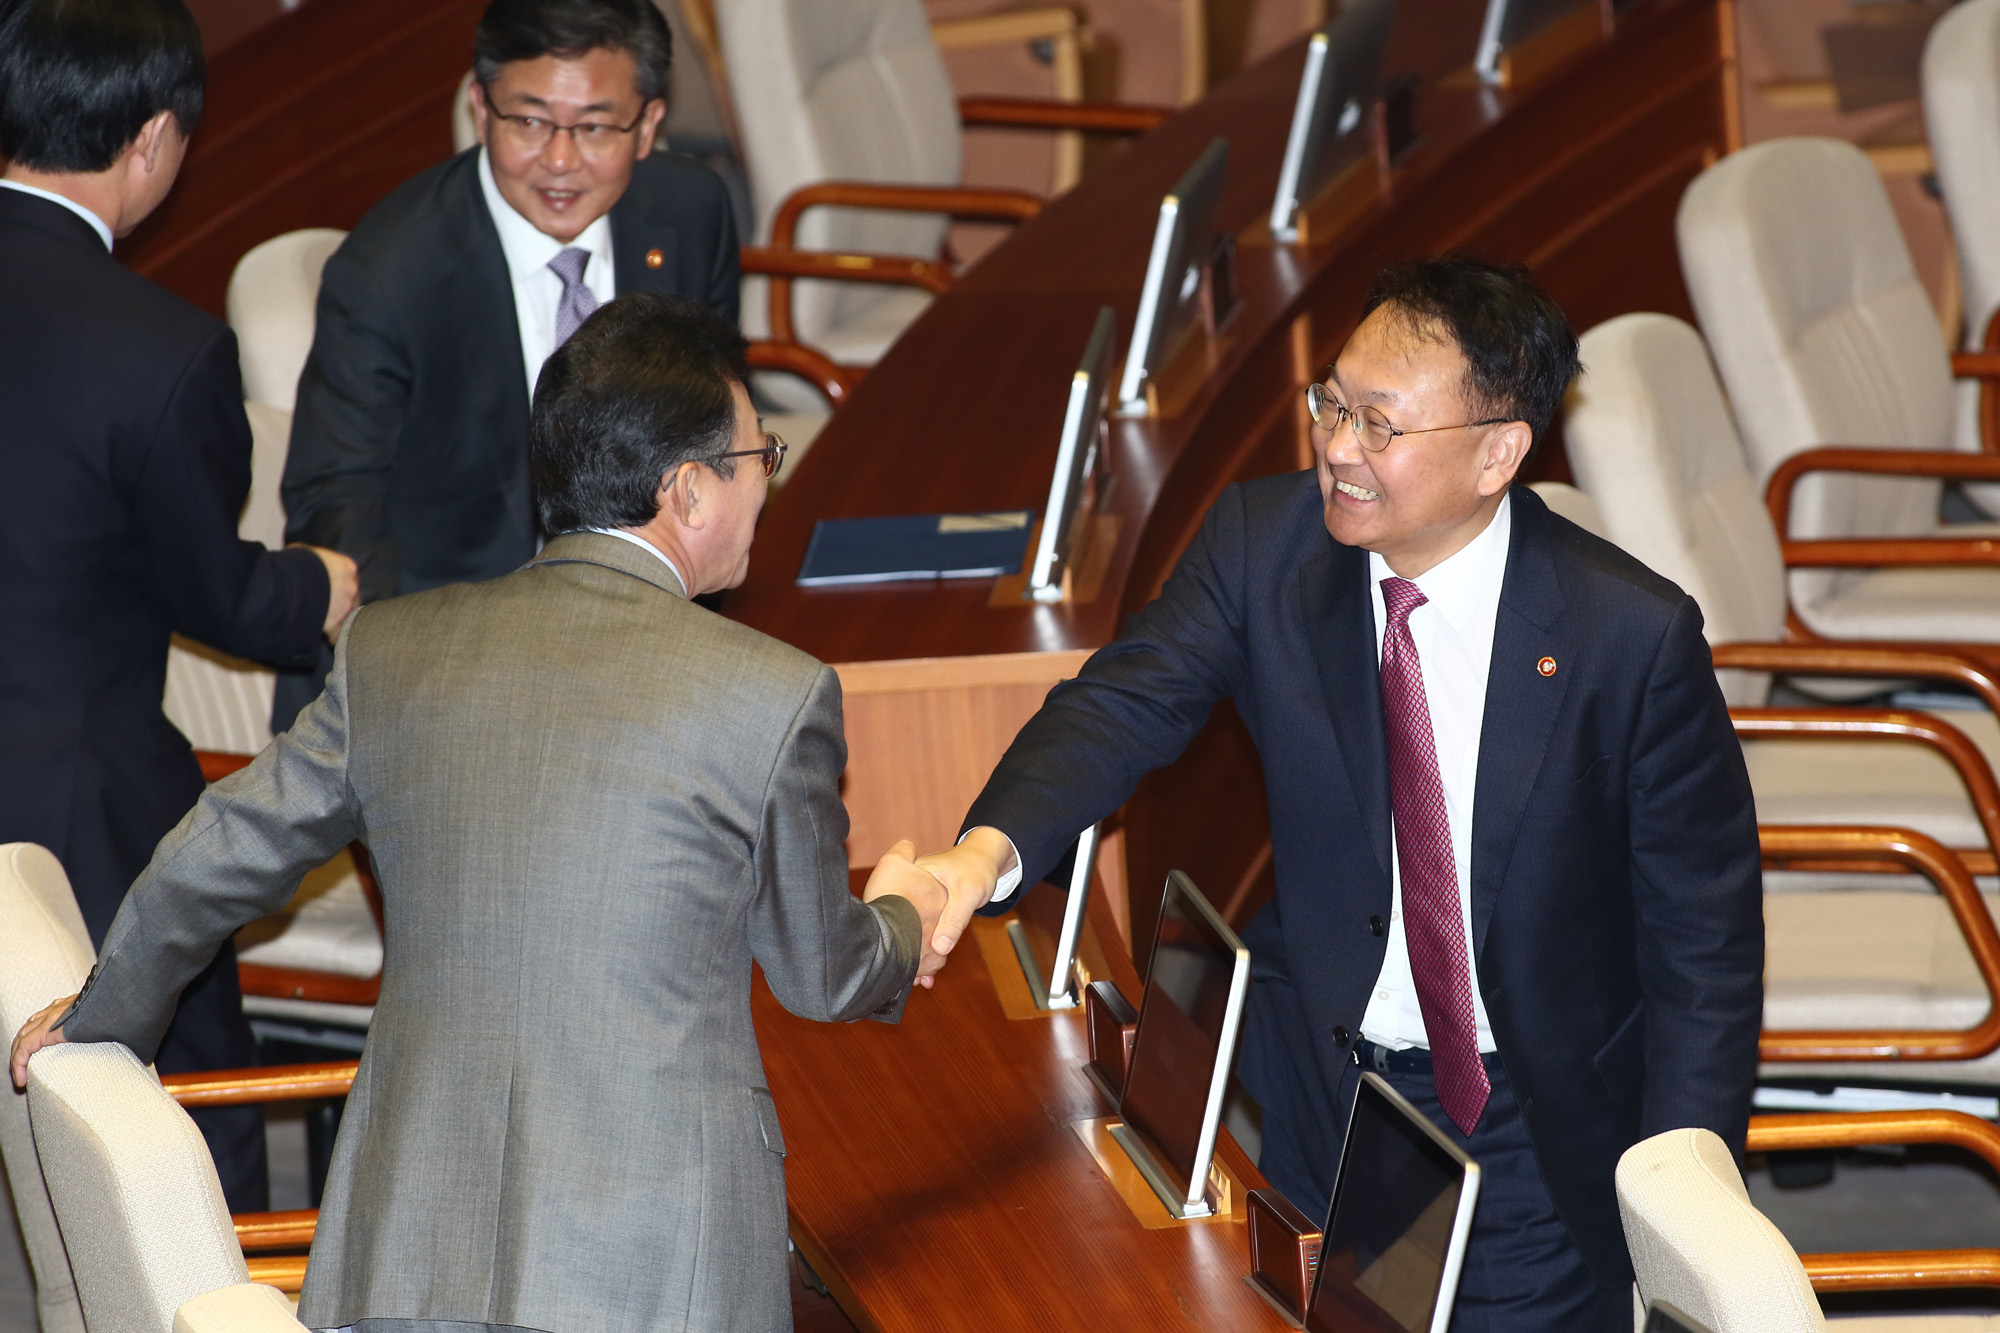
{"x": 936, "y": 1181}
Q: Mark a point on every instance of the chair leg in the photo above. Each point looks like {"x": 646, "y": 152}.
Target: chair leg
{"x": 322, "y": 1124}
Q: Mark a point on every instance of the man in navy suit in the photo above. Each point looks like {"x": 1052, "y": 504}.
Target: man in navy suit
{"x": 409, "y": 447}
{"x": 1517, "y": 862}
{"x": 124, "y": 464}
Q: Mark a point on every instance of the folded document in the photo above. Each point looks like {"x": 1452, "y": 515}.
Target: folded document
{"x": 915, "y": 546}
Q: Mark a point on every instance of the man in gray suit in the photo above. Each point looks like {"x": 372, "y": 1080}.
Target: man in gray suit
{"x": 592, "y": 804}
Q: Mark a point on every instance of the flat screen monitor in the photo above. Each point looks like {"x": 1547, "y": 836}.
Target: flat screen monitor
{"x": 1395, "y": 1234}
{"x": 1509, "y": 22}
{"x": 1070, "y": 492}
{"x": 1184, "y": 239}
{"x": 1330, "y": 119}
{"x": 1184, "y": 1048}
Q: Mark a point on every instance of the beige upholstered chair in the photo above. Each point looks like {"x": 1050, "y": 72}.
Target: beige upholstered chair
{"x": 1808, "y": 298}
{"x": 1699, "y": 1244}
{"x": 1961, "y": 77}
{"x": 45, "y": 954}
{"x": 137, "y": 1198}
{"x": 273, "y": 296}
{"x": 1652, "y": 442}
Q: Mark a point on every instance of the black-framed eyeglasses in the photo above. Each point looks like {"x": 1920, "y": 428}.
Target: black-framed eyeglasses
{"x": 1370, "y": 427}
{"x": 773, "y": 454}
{"x": 533, "y": 133}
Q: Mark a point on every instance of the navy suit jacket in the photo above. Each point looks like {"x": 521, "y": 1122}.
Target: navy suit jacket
{"x": 1617, "y": 907}
{"x": 124, "y": 465}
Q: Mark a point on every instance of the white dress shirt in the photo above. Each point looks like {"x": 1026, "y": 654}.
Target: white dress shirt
{"x": 656, "y": 553}
{"x": 1453, "y": 631}
{"x": 537, "y": 289}
{"x": 97, "y": 224}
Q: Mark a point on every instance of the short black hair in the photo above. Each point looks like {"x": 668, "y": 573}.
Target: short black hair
{"x": 1519, "y": 348}
{"x": 80, "y": 78}
{"x": 530, "y": 29}
{"x": 642, "y": 387}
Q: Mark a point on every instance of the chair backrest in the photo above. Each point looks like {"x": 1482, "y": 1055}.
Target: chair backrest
{"x": 45, "y": 954}
{"x": 1961, "y": 107}
{"x": 1807, "y": 296}
{"x": 1650, "y": 439}
{"x": 273, "y": 295}
{"x": 1699, "y": 1244}
{"x": 134, "y": 1188}
{"x": 1566, "y": 500}
{"x": 840, "y": 90}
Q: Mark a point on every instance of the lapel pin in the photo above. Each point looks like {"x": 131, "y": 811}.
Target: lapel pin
{"x": 1547, "y": 666}
{"x": 654, "y": 259}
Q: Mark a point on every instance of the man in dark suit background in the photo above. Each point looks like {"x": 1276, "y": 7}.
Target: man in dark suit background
{"x": 1516, "y": 856}
{"x": 409, "y": 445}
{"x": 124, "y": 465}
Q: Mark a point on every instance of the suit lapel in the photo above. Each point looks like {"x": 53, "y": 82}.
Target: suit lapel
{"x": 1522, "y": 704}
{"x": 1340, "y": 626}
{"x": 480, "y": 305}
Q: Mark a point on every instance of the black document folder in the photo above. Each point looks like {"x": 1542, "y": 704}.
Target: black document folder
{"x": 915, "y": 546}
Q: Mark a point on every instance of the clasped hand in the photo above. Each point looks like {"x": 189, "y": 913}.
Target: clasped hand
{"x": 946, "y": 888}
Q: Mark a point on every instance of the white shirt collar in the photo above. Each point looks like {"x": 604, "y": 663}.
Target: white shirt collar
{"x": 1469, "y": 577}
{"x": 529, "y": 249}
{"x": 97, "y": 224}
{"x": 647, "y": 547}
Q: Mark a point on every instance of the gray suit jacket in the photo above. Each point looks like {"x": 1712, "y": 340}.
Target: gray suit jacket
{"x": 592, "y": 804}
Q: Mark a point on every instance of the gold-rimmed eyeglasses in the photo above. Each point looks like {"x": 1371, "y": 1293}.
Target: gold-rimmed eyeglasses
{"x": 532, "y": 133}
{"x": 1370, "y": 427}
{"x": 773, "y": 454}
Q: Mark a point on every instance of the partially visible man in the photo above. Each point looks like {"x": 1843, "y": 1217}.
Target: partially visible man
{"x": 1516, "y": 857}
{"x": 409, "y": 445}
{"x": 124, "y": 466}
{"x": 592, "y": 804}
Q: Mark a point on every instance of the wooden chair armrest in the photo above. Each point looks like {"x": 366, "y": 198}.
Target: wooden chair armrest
{"x": 215, "y": 765}
{"x": 292, "y": 983}
{"x": 1902, "y": 849}
{"x": 288, "y": 1230}
{"x": 1890, "y": 552}
{"x": 1902, "y": 1270}
{"x": 1881, "y": 661}
{"x": 958, "y": 201}
{"x": 782, "y": 264}
{"x": 819, "y": 370}
{"x": 1034, "y": 113}
{"x": 286, "y": 1272}
{"x": 1981, "y": 365}
{"x": 1877, "y": 462}
{"x": 272, "y": 1083}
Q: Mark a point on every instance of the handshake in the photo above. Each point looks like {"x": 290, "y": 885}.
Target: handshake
{"x": 946, "y": 888}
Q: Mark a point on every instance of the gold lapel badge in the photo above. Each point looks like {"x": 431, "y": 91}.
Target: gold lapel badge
{"x": 1547, "y": 666}
{"x": 654, "y": 259}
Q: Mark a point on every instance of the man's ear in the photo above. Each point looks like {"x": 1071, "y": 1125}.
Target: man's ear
{"x": 1506, "y": 449}
{"x": 649, "y": 127}
{"x": 682, "y": 489}
{"x": 151, "y": 138}
{"x": 480, "y": 118}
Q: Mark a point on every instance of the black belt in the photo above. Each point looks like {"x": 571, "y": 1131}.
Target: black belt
{"x": 1415, "y": 1060}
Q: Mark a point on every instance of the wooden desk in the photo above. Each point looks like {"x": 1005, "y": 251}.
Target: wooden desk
{"x": 936, "y": 1180}
{"x": 1578, "y": 175}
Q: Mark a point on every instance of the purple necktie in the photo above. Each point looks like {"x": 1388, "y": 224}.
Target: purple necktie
{"x": 577, "y": 303}
{"x": 1433, "y": 923}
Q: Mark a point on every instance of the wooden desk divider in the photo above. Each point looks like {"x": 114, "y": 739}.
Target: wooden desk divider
{"x": 1284, "y": 1252}
{"x": 1556, "y": 45}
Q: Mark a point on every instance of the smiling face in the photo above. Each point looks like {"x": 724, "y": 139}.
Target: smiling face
{"x": 562, "y": 186}
{"x": 1425, "y": 496}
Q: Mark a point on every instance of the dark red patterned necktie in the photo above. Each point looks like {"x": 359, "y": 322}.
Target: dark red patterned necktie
{"x": 1433, "y": 922}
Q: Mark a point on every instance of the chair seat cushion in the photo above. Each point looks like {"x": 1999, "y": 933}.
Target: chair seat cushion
{"x": 328, "y": 927}
{"x": 1921, "y": 604}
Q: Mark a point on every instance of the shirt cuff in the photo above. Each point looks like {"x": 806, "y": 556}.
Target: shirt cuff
{"x": 1009, "y": 880}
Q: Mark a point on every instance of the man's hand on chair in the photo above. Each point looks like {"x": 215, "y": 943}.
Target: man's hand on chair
{"x": 37, "y": 1032}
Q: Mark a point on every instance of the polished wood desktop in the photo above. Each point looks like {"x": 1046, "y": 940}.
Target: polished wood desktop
{"x": 937, "y": 1179}
{"x": 1578, "y": 174}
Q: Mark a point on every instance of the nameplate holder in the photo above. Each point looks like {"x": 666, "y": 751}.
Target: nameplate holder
{"x": 1284, "y": 1253}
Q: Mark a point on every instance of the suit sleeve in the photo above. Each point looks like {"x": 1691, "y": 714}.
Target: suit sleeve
{"x": 353, "y": 399}
{"x": 725, "y": 270}
{"x": 1698, "y": 885}
{"x": 238, "y": 855}
{"x": 827, "y": 955}
{"x": 1133, "y": 708}
{"x": 195, "y": 475}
